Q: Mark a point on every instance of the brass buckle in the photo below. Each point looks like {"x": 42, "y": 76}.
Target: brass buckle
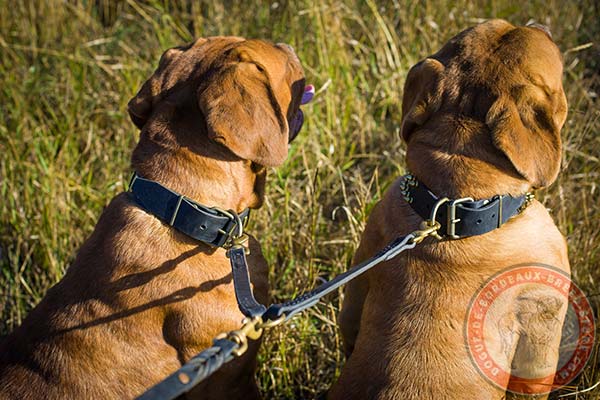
{"x": 236, "y": 236}
{"x": 451, "y": 217}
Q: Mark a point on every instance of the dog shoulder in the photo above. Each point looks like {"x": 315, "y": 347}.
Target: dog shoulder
{"x": 539, "y": 230}
{"x": 125, "y": 232}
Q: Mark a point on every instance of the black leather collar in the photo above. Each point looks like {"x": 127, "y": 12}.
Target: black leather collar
{"x": 206, "y": 224}
{"x": 462, "y": 217}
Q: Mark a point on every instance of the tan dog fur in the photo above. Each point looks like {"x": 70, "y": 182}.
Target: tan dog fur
{"x": 481, "y": 117}
{"x": 142, "y": 298}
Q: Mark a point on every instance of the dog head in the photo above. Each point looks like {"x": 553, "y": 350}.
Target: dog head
{"x": 242, "y": 94}
{"x": 503, "y": 79}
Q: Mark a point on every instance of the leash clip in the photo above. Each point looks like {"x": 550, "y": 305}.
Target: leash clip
{"x": 426, "y": 230}
{"x": 251, "y": 329}
{"x": 430, "y": 226}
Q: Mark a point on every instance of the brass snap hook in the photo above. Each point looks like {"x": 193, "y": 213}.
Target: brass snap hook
{"x": 426, "y": 230}
{"x": 251, "y": 329}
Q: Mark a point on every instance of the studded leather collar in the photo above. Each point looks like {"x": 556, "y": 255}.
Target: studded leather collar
{"x": 462, "y": 217}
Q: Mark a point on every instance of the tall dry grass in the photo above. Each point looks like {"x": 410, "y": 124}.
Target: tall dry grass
{"x": 68, "y": 68}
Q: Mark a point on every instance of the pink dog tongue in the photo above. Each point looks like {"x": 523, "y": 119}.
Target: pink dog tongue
{"x": 309, "y": 93}
{"x": 296, "y": 123}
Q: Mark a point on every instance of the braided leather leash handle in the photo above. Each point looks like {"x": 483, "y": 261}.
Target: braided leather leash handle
{"x": 193, "y": 372}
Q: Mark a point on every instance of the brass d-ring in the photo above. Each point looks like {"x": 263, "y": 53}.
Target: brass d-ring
{"x": 271, "y": 323}
{"x": 436, "y": 207}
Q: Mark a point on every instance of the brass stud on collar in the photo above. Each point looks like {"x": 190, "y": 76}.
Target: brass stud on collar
{"x": 529, "y": 197}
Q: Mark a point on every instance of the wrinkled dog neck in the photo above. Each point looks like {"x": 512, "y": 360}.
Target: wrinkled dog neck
{"x": 455, "y": 157}
{"x": 191, "y": 164}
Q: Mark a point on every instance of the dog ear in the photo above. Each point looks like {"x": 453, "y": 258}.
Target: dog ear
{"x": 140, "y": 107}
{"x": 243, "y": 114}
{"x": 422, "y": 95}
{"x": 525, "y": 125}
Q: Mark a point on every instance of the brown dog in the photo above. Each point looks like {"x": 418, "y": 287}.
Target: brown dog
{"x": 481, "y": 117}
{"x": 142, "y": 298}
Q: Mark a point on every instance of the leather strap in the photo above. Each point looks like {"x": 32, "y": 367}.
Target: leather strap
{"x": 463, "y": 217}
{"x": 206, "y": 224}
{"x": 250, "y": 307}
{"x": 247, "y": 303}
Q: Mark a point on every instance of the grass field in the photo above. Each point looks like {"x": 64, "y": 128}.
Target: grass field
{"x": 68, "y": 68}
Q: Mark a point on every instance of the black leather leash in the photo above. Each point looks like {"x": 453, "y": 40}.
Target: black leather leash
{"x": 443, "y": 217}
{"x": 235, "y": 343}
{"x": 284, "y": 311}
